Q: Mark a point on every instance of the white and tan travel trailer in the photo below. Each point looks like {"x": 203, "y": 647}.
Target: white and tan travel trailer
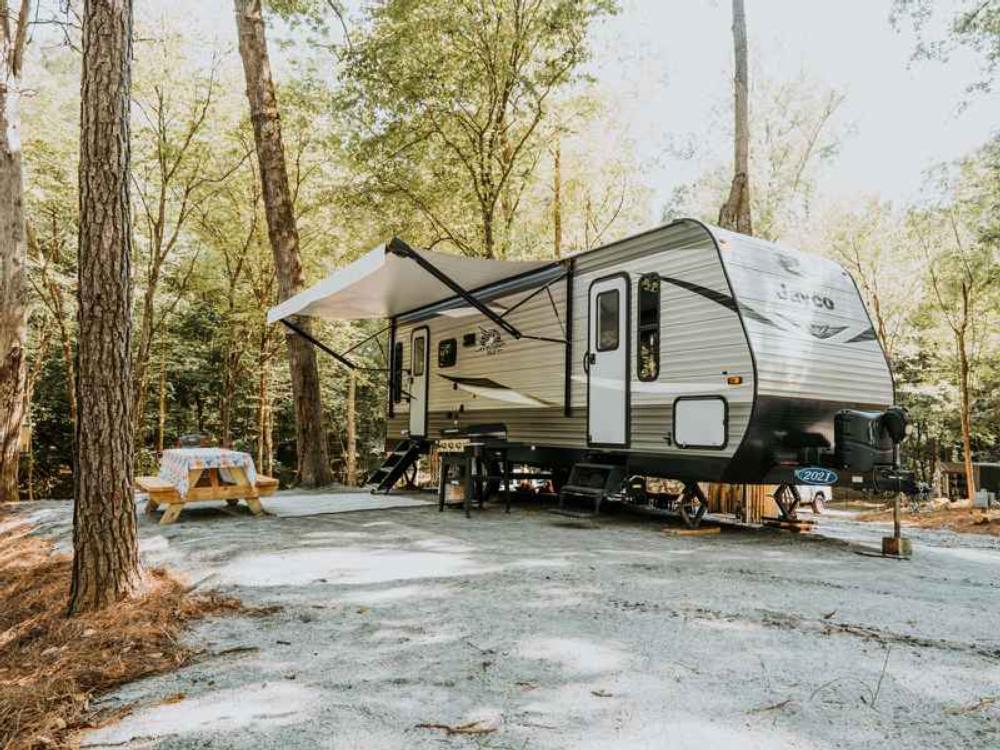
{"x": 686, "y": 351}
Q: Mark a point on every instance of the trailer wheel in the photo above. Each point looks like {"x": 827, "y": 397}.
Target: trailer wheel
{"x": 817, "y": 503}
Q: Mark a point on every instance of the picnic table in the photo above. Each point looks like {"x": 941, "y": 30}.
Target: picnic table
{"x": 195, "y": 474}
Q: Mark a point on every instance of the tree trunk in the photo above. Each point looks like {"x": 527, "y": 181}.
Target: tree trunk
{"x": 966, "y": 415}
{"x": 13, "y": 272}
{"x": 352, "y": 442}
{"x": 29, "y": 395}
{"x": 106, "y": 557}
{"x": 735, "y": 212}
{"x": 161, "y": 422}
{"x": 313, "y": 464}
{"x": 144, "y": 351}
{"x": 557, "y": 201}
{"x": 261, "y": 414}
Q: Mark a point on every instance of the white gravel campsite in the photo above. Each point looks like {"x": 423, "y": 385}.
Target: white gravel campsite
{"x": 409, "y": 628}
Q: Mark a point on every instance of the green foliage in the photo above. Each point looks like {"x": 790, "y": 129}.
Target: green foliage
{"x": 441, "y": 121}
{"x": 447, "y": 103}
{"x": 975, "y": 24}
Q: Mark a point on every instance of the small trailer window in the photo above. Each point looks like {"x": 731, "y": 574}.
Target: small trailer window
{"x": 418, "y": 356}
{"x": 648, "y": 354}
{"x": 447, "y": 352}
{"x": 397, "y": 372}
{"x": 607, "y": 320}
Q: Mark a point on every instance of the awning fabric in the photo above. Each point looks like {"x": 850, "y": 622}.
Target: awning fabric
{"x": 382, "y": 284}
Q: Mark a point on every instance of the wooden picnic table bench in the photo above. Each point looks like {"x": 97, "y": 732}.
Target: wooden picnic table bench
{"x": 206, "y": 484}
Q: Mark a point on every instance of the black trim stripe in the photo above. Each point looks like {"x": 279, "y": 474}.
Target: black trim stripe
{"x": 718, "y": 297}
{"x": 868, "y": 335}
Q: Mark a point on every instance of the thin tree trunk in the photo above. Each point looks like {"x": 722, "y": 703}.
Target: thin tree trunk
{"x": 13, "y": 253}
{"x": 161, "y": 422}
{"x": 966, "y": 415}
{"x": 106, "y": 557}
{"x": 352, "y": 443}
{"x": 735, "y": 212}
{"x": 67, "y": 353}
{"x": 29, "y": 395}
{"x": 268, "y": 427}
{"x": 557, "y": 201}
{"x": 313, "y": 463}
{"x": 140, "y": 373}
{"x": 261, "y": 414}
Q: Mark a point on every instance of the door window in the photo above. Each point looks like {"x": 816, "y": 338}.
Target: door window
{"x": 419, "y": 356}
{"x": 607, "y": 320}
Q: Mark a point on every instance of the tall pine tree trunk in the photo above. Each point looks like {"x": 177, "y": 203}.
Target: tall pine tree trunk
{"x": 735, "y": 212}
{"x": 106, "y": 556}
{"x": 13, "y": 251}
{"x": 313, "y": 464}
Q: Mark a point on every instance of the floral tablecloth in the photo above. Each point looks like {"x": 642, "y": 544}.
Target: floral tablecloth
{"x": 177, "y": 464}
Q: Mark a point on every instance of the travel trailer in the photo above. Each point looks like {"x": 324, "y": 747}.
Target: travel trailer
{"x": 687, "y": 352}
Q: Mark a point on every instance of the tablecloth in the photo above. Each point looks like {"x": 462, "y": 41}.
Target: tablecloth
{"x": 177, "y": 463}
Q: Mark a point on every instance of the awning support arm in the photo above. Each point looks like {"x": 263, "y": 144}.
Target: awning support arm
{"x": 366, "y": 339}
{"x": 400, "y": 248}
{"x": 533, "y": 294}
{"x": 320, "y": 345}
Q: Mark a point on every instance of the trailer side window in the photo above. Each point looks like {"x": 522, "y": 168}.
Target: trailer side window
{"x": 607, "y": 321}
{"x": 397, "y": 372}
{"x": 648, "y": 353}
{"x": 447, "y": 352}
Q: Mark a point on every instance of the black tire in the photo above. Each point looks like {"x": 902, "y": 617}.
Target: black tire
{"x": 818, "y": 503}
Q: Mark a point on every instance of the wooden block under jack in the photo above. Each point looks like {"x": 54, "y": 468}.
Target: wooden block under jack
{"x": 798, "y": 525}
{"x": 699, "y": 531}
{"x": 897, "y": 546}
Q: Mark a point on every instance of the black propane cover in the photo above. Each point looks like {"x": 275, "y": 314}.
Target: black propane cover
{"x": 860, "y": 443}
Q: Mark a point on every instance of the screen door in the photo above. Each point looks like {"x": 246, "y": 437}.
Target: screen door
{"x": 419, "y": 360}
{"x": 607, "y": 362}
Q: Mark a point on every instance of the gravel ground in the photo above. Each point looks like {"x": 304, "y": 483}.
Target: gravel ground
{"x": 562, "y": 636}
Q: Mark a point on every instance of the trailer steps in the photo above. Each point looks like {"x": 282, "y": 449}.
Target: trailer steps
{"x": 588, "y": 481}
{"x": 404, "y": 455}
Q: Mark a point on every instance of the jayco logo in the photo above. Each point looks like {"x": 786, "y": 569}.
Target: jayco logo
{"x": 798, "y": 297}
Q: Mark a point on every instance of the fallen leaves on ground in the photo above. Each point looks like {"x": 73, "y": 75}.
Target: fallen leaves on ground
{"x": 962, "y": 520}
{"x": 52, "y": 666}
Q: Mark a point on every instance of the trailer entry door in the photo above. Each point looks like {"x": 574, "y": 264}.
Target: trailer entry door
{"x": 419, "y": 361}
{"x": 607, "y": 362}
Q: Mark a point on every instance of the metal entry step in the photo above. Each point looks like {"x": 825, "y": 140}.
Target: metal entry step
{"x": 403, "y": 456}
{"x": 589, "y": 481}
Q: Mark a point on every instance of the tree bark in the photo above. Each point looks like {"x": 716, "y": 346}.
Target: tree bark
{"x": 352, "y": 441}
{"x": 13, "y": 254}
{"x": 106, "y": 557}
{"x": 313, "y": 463}
{"x": 735, "y": 212}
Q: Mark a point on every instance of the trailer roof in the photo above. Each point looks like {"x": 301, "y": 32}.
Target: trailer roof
{"x": 382, "y": 284}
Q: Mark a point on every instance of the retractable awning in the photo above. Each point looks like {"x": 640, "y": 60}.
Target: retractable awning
{"x": 395, "y": 278}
